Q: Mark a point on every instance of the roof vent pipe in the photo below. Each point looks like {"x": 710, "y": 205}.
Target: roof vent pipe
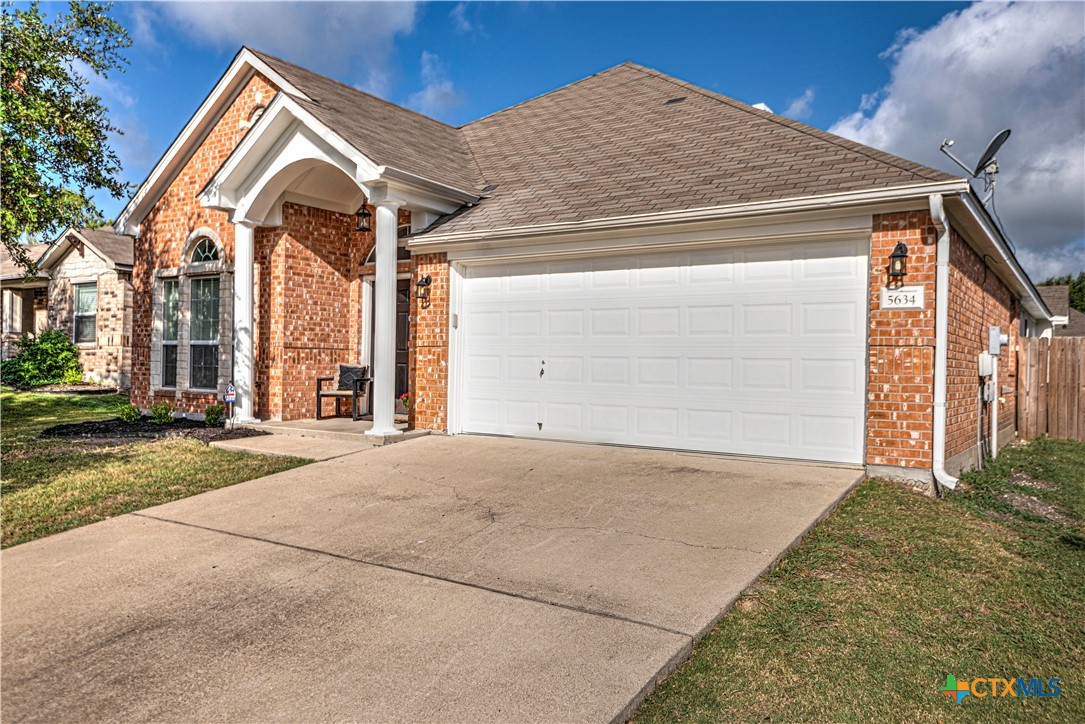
{"x": 941, "y": 338}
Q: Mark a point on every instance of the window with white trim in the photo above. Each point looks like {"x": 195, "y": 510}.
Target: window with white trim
{"x": 203, "y": 355}
{"x": 86, "y": 313}
{"x": 171, "y": 311}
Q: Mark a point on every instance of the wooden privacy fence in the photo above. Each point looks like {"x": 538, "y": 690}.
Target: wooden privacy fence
{"x": 1051, "y": 388}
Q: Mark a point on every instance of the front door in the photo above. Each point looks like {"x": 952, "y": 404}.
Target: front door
{"x": 403, "y": 318}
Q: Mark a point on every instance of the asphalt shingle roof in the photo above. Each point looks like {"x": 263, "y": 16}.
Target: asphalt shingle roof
{"x": 120, "y": 248}
{"x": 1075, "y": 327}
{"x": 387, "y": 134}
{"x": 9, "y": 270}
{"x": 1057, "y": 299}
{"x": 631, "y": 140}
{"x": 626, "y": 141}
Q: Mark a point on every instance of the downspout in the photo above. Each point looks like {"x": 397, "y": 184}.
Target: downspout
{"x": 941, "y": 338}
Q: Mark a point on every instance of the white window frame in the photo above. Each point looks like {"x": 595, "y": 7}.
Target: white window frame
{"x": 204, "y": 342}
{"x": 184, "y": 275}
{"x": 176, "y": 341}
{"x": 76, "y": 314}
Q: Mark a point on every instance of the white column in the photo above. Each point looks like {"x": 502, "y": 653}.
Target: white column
{"x": 384, "y": 321}
{"x": 243, "y": 332}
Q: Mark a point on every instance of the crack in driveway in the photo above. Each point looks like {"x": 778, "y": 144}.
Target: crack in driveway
{"x": 422, "y": 574}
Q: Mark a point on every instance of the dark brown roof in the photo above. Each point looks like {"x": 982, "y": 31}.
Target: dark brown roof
{"x": 1057, "y": 299}
{"x": 627, "y": 141}
{"x": 631, "y": 140}
{"x": 119, "y": 248}
{"x": 10, "y": 270}
{"x": 387, "y": 134}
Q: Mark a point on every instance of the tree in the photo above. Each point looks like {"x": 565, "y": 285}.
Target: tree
{"x": 55, "y": 148}
{"x": 1077, "y": 288}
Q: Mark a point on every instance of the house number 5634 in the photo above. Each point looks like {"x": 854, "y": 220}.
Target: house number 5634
{"x": 902, "y": 298}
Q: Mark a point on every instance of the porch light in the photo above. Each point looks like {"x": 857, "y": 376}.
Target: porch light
{"x": 898, "y": 261}
{"x": 423, "y": 285}
{"x": 362, "y": 217}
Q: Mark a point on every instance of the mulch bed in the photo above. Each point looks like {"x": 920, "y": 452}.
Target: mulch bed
{"x": 117, "y": 431}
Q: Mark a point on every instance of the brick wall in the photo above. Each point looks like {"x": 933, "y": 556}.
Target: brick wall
{"x": 978, "y": 300}
{"x": 901, "y": 381}
{"x": 900, "y": 390}
{"x": 107, "y": 360}
{"x": 429, "y": 345}
{"x": 167, "y": 228}
{"x": 308, "y": 306}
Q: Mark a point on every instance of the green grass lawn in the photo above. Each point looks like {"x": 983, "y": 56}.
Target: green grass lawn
{"x": 864, "y": 620}
{"x": 51, "y": 485}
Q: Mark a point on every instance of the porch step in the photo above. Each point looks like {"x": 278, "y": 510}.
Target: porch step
{"x": 340, "y": 430}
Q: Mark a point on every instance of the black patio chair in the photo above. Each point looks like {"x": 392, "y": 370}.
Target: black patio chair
{"x": 352, "y": 383}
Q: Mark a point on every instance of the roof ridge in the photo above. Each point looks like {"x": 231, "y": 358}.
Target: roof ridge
{"x": 348, "y": 86}
{"x": 549, "y": 92}
{"x": 816, "y": 133}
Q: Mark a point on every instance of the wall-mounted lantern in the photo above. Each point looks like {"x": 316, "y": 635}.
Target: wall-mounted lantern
{"x": 423, "y": 286}
{"x": 898, "y": 261}
{"x": 362, "y": 217}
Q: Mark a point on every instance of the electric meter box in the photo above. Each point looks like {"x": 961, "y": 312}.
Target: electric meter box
{"x": 986, "y": 364}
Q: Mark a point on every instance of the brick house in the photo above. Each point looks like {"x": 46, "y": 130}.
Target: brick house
{"x": 629, "y": 259}
{"x": 83, "y": 287}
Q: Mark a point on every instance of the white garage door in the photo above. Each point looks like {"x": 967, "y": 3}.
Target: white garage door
{"x": 753, "y": 350}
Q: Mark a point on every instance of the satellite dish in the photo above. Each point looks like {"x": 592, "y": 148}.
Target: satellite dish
{"x": 992, "y": 149}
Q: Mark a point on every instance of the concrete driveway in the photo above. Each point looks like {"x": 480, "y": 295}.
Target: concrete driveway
{"x": 440, "y": 579}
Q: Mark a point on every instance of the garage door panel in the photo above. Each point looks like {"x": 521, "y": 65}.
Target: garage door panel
{"x": 758, "y": 350}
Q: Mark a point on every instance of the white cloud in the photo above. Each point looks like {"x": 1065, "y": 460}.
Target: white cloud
{"x": 459, "y": 19}
{"x": 984, "y": 68}
{"x": 347, "y": 40}
{"x": 438, "y": 94}
{"x": 800, "y": 107}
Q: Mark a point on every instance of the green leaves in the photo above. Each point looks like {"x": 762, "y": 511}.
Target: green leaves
{"x": 55, "y": 151}
{"x": 48, "y": 358}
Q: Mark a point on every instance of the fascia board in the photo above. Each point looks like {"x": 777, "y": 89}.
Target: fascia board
{"x": 855, "y": 199}
{"x": 981, "y": 232}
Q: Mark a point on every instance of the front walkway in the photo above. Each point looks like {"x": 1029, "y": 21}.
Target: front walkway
{"x": 444, "y": 579}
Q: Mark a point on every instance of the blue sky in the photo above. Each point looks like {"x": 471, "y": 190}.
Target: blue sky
{"x": 849, "y": 67}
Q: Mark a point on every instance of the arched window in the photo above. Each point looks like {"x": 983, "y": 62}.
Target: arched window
{"x": 204, "y": 250}
{"x": 194, "y": 308}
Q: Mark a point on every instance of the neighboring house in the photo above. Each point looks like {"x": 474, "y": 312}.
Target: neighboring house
{"x": 1066, "y": 321}
{"x": 84, "y": 287}
{"x": 629, "y": 259}
{"x": 22, "y": 299}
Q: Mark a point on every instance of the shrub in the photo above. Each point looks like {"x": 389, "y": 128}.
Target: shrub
{"x": 162, "y": 413}
{"x": 47, "y": 358}
{"x": 129, "y": 413}
{"x": 213, "y": 415}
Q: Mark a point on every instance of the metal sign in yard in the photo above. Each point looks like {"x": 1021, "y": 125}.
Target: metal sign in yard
{"x": 231, "y": 393}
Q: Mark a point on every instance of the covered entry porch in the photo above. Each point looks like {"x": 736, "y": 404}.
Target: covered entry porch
{"x": 320, "y": 275}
